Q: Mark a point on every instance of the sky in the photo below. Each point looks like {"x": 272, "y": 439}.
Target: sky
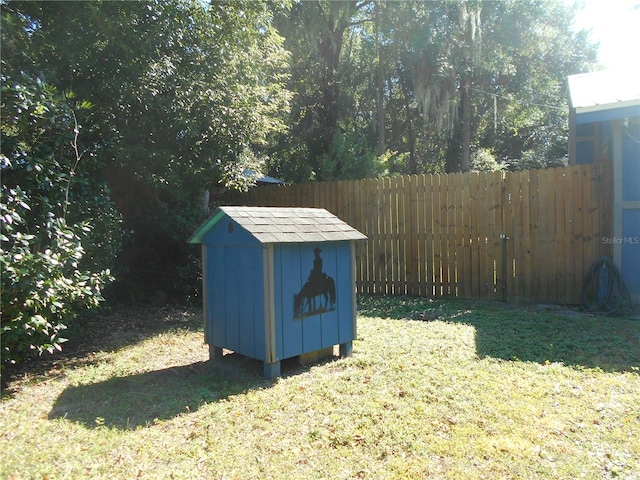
{"x": 615, "y": 24}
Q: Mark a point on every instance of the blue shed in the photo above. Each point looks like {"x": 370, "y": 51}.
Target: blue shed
{"x": 277, "y": 282}
{"x": 604, "y": 125}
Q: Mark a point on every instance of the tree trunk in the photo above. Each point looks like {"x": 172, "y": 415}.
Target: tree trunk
{"x": 204, "y": 200}
{"x": 329, "y": 45}
{"x": 413, "y": 163}
{"x": 465, "y": 100}
{"x": 380, "y": 97}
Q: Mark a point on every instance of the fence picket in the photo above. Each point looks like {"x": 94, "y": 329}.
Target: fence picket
{"x": 546, "y": 197}
{"x": 421, "y": 235}
{"x": 577, "y": 224}
{"x": 392, "y": 232}
{"x": 524, "y": 243}
{"x": 444, "y": 245}
{"x": 510, "y": 197}
{"x": 474, "y": 235}
{"x": 457, "y": 231}
{"x": 560, "y": 235}
{"x": 465, "y": 235}
{"x": 430, "y": 196}
{"x": 449, "y": 236}
{"x": 435, "y": 230}
{"x": 534, "y": 216}
{"x": 411, "y": 204}
{"x": 372, "y": 227}
{"x": 589, "y": 226}
{"x": 494, "y": 231}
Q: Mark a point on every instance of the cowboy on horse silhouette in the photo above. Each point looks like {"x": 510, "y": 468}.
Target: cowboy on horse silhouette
{"x": 318, "y": 284}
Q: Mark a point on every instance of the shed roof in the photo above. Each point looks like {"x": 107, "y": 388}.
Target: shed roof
{"x": 264, "y": 179}
{"x": 604, "y": 90}
{"x": 283, "y": 224}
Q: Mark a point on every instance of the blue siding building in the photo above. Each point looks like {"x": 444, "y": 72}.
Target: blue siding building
{"x": 277, "y": 282}
{"x": 604, "y": 125}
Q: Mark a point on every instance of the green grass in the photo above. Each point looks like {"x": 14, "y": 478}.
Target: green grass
{"x": 484, "y": 391}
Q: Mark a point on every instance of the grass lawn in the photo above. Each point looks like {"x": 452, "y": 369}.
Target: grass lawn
{"x": 482, "y": 390}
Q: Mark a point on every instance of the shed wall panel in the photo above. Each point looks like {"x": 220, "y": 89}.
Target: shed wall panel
{"x": 631, "y": 163}
{"x": 270, "y": 355}
{"x": 330, "y": 331}
{"x": 216, "y": 295}
{"x": 288, "y": 272}
{"x": 235, "y": 299}
{"x": 276, "y": 280}
{"x": 259, "y": 314}
{"x": 224, "y": 234}
{"x": 250, "y": 302}
{"x": 630, "y": 251}
{"x": 206, "y": 301}
{"x": 233, "y": 296}
{"x": 345, "y": 295}
{"x": 312, "y": 332}
{"x": 323, "y": 324}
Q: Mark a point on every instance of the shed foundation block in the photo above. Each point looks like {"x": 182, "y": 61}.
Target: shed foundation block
{"x": 215, "y": 353}
{"x": 271, "y": 370}
{"x": 311, "y": 357}
{"x": 346, "y": 349}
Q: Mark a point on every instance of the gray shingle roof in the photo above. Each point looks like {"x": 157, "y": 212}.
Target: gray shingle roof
{"x": 284, "y": 224}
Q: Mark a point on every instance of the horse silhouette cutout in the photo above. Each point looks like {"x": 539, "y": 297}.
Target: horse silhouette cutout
{"x": 318, "y": 294}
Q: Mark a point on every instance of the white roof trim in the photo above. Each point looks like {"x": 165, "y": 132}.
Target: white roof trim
{"x": 608, "y": 106}
{"x": 604, "y": 90}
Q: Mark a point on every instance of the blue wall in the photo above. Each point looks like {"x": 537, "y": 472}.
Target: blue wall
{"x": 598, "y": 134}
{"x": 235, "y": 299}
{"x": 234, "y": 304}
{"x": 630, "y": 247}
{"x": 631, "y": 163}
{"x": 292, "y": 267}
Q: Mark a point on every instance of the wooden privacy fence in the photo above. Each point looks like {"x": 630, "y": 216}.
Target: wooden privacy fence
{"x": 528, "y": 236}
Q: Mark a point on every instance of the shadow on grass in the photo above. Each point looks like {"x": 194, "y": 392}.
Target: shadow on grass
{"x": 528, "y": 334}
{"x": 103, "y": 331}
{"x": 611, "y": 344}
{"x": 142, "y": 399}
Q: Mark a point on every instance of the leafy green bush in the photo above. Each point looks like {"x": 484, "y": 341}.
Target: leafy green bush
{"x": 482, "y": 160}
{"x": 46, "y": 188}
{"x": 41, "y": 287}
{"x": 350, "y": 158}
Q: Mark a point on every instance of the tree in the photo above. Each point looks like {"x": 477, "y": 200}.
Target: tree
{"x": 519, "y": 93}
{"x": 428, "y": 81}
{"x": 181, "y": 89}
{"x": 476, "y": 62}
{"x": 322, "y": 37}
{"x": 186, "y": 96}
{"x": 48, "y": 275}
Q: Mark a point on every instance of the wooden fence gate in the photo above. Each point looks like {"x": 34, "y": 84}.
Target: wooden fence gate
{"x": 528, "y": 236}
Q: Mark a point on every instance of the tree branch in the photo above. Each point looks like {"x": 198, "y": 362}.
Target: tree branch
{"x": 72, "y": 172}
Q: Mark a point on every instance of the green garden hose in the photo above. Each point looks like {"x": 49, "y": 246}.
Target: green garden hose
{"x": 604, "y": 289}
